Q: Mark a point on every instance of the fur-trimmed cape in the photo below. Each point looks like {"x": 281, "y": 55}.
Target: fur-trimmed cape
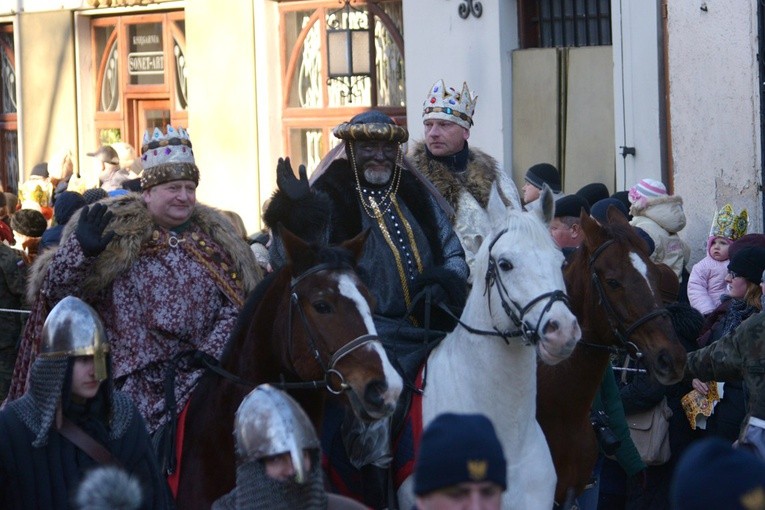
{"x": 481, "y": 172}
{"x": 133, "y": 227}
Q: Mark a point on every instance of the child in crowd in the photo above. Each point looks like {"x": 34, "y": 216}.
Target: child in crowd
{"x": 707, "y": 281}
{"x": 661, "y": 216}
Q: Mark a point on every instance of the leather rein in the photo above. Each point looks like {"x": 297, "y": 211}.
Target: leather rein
{"x": 516, "y": 312}
{"x": 208, "y": 362}
{"x": 622, "y": 335}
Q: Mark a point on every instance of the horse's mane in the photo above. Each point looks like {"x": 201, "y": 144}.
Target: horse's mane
{"x": 332, "y": 256}
{"x": 528, "y": 225}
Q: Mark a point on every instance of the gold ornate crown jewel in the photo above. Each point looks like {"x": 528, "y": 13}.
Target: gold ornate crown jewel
{"x": 727, "y": 224}
{"x": 447, "y": 104}
{"x": 167, "y": 157}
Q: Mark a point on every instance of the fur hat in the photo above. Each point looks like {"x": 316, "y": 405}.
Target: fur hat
{"x": 645, "y": 190}
{"x": 106, "y": 154}
{"x": 447, "y": 104}
{"x": 29, "y": 222}
{"x": 571, "y": 205}
{"x": 712, "y": 474}
{"x": 544, "y": 173}
{"x": 749, "y": 263}
{"x": 40, "y": 170}
{"x": 593, "y": 192}
{"x": 167, "y": 157}
{"x": 458, "y": 448}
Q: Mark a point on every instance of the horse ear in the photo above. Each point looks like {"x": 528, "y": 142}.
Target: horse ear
{"x": 356, "y": 245}
{"x": 547, "y": 200}
{"x": 592, "y": 230}
{"x": 294, "y": 247}
{"x": 496, "y": 209}
{"x": 615, "y": 216}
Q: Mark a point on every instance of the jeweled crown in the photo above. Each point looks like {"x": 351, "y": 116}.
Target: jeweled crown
{"x": 729, "y": 225}
{"x": 449, "y": 104}
{"x": 167, "y": 157}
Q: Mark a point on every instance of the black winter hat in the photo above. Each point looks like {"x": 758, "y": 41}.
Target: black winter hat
{"x": 40, "y": 169}
{"x": 624, "y": 198}
{"x": 599, "y": 209}
{"x": 67, "y": 203}
{"x": 571, "y": 205}
{"x": 744, "y": 241}
{"x": 712, "y": 474}
{"x": 29, "y": 222}
{"x": 749, "y": 263}
{"x": 593, "y": 192}
{"x": 542, "y": 173}
{"x": 458, "y": 448}
{"x": 93, "y": 195}
{"x": 133, "y": 185}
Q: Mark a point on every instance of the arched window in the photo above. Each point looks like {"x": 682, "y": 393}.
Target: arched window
{"x": 140, "y": 66}
{"x": 9, "y": 144}
{"x": 314, "y": 103}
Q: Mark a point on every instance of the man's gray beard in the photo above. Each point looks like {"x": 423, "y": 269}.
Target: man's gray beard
{"x": 377, "y": 177}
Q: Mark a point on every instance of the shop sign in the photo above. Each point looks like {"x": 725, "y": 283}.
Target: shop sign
{"x": 146, "y": 62}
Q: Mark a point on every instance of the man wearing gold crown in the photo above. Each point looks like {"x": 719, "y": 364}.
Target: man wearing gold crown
{"x": 166, "y": 274}
{"x": 463, "y": 175}
{"x": 411, "y": 255}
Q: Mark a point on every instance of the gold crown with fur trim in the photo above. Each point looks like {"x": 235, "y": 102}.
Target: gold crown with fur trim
{"x": 167, "y": 157}
{"x": 447, "y": 104}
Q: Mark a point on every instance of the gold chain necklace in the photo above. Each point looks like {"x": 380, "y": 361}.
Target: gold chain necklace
{"x": 372, "y": 208}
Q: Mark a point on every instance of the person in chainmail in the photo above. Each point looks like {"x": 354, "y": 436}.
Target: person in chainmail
{"x": 277, "y": 458}
{"x": 71, "y": 420}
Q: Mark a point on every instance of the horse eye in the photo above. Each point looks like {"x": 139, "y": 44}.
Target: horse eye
{"x": 322, "y": 307}
{"x": 504, "y": 265}
{"x": 614, "y": 284}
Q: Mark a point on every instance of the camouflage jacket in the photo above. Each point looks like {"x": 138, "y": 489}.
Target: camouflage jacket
{"x": 739, "y": 355}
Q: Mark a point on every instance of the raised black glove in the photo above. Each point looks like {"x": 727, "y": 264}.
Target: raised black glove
{"x": 295, "y": 188}
{"x": 90, "y": 229}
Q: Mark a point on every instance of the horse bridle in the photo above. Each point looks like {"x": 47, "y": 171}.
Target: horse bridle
{"x": 622, "y": 336}
{"x": 329, "y": 370}
{"x": 518, "y": 313}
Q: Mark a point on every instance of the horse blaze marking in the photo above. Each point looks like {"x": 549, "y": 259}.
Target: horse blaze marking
{"x": 347, "y": 287}
{"x": 640, "y": 267}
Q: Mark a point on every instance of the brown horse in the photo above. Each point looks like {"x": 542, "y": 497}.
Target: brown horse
{"x": 313, "y": 322}
{"x": 612, "y": 288}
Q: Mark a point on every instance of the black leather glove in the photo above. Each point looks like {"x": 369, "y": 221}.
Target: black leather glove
{"x": 294, "y": 188}
{"x": 443, "y": 286}
{"x": 90, "y": 229}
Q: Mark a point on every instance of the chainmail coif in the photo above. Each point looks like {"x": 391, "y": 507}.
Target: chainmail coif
{"x": 257, "y": 491}
{"x": 37, "y": 408}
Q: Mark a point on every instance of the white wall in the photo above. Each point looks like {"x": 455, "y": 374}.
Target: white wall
{"x": 714, "y": 112}
{"x": 440, "y": 44}
{"x": 636, "y": 29}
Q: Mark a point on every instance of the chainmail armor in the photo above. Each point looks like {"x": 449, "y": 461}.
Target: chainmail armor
{"x": 37, "y": 408}
{"x": 257, "y": 491}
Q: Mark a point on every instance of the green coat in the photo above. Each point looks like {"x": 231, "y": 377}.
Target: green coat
{"x": 739, "y": 355}
{"x": 608, "y": 400}
{"x": 12, "y": 275}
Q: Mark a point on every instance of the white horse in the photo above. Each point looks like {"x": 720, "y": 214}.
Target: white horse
{"x": 517, "y": 289}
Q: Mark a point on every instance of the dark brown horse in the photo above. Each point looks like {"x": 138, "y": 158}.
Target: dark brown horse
{"x": 313, "y": 322}
{"x": 612, "y": 288}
